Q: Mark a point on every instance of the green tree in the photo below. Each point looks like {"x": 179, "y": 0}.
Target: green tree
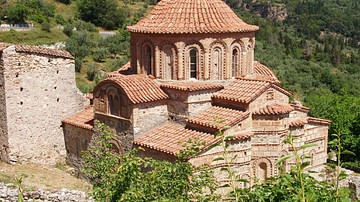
{"x": 17, "y": 13}
{"x": 104, "y": 13}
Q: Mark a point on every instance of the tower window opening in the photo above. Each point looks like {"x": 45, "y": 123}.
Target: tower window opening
{"x": 235, "y": 62}
{"x": 193, "y": 63}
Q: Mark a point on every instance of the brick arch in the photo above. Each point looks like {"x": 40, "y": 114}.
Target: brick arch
{"x": 116, "y": 146}
{"x": 174, "y": 51}
{"x": 200, "y": 60}
{"x": 218, "y": 44}
{"x": 238, "y": 45}
{"x": 312, "y": 154}
{"x": 261, "y": 161}
{"x": 248, "y": 178}
{"x": 144, "y": 54}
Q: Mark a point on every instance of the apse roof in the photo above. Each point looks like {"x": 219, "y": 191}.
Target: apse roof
{"x": 191, "y": 16}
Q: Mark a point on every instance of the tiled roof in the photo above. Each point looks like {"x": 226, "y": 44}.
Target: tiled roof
{"x": 318, "y": 121}
{"x": 84, "y": 119}
{"x": 246, "y": 90}
{"x": 298, "y": 122}
{"x": 192, "y": 86}
{"x": 300, "y": 108}
{"x": 218, "y": 117}
{"x": 191, "y": 16}
{"x": 138, "y": 87}
{"x": 170, "y": 137}
{"x": 264, "y": 73}
{"x": 275, "y": 108}
{"x": 118, "y": 72}
{"x": 44, "y": 51}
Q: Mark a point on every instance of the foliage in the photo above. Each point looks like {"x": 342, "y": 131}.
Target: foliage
{"x": 17, "y": 13}
{"x": 104, "y": 13}
{"x": 141, "y": 179}
{"x": 45, "y": 26}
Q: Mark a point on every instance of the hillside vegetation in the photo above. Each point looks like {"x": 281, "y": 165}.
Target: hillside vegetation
{"x": 313, "y": 46}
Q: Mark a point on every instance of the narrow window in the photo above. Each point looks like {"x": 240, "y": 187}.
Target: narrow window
{"x": 113, "y": 105}
{"x": 147, "y": 59}
{"x": 235, "y": 62}
{"x": 193, "y": 63}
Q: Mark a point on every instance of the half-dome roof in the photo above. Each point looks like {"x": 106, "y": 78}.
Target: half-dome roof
{"x": 191, "y": 16}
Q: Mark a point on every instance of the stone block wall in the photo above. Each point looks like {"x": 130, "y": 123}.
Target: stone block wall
{"x": 268, "y": 97}
{"x": 4, "y": 143}
{"x": 77, "y": 140}
{"x": 149, "y": 115}
{"x": 40, "y": 91}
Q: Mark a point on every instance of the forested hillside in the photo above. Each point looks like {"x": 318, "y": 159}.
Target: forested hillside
{"x": 313, "y": 46}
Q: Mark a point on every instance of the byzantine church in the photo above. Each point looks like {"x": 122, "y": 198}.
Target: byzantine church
{"x": 192, "y": 73}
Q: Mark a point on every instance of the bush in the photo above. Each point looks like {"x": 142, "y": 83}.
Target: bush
{"x": 59, "y": 20}
{"x": 99, "y": 54}
{"x": 17, "y": 13}
{"x": 92, "y": 71}
{"x": 78, "y": 64}
{"x": 45, "y": 26}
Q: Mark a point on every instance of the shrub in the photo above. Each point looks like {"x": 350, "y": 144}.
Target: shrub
{"x": 92, "y": 71}
{"x": 45, "y": 26}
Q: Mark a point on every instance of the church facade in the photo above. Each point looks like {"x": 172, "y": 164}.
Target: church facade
{"x": 192, "y": 73}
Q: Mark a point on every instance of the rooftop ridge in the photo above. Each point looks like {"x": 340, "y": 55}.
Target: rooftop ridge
{"x": 41, "y": 50}
{"x": 191, "y": 16}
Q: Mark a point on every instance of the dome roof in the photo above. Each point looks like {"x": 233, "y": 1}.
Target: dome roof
{"x": 191, "y": 16}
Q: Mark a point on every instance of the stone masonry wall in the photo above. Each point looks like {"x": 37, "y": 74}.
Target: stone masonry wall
{"x": 77, "y": 140}
{"x": 40, "y": 92}
{"x": 269, "y": 96}
{"x": 4, "y": 143}
{"x": 149, "y": 115}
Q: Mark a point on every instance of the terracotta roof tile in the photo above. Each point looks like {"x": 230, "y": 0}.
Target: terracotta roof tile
{"x": 192, "y": 86}
{"x": 298, "y": 122}
{"x": 169, "y": 138}
{"x": 318, "y": 121}
{"x": 275, "y": 108}
{"x": 246, "y": 90}
{"x": 191, "y": 16}
{"x": 264, "y": 73}
{"x": 139, "y": 88}
{"x": 218, "y": 117}
{"x": 84, "y": 119}
{"x": 118, "y": 72}
{"x": 300, "y": 108}
{"x": 44, "y": 51}
{"x": 242, "y": 90}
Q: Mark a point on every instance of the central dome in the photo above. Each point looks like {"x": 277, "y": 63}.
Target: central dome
{"x": 191, "y": 16}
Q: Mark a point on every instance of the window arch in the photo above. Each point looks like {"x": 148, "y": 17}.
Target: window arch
{"x": 262, "y": 172}
{"x": 168, "y": 63}
{"x": 147, "y": 59}
{"x": 193, "y": 62}
{"x": 113, "y": 104}
{"x": 235, "y": 62}
{"x": 216, "y": 64}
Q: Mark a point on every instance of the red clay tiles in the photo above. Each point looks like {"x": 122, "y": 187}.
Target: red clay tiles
{"x": 191, "y": 16}
{"x": 191, "y": 86}
{"x": 298, "y": 122}
{"x": 300, "y": 108}
{"x": 218, "y": 117}
{"x": 84, "y": 119}
{"x": 264, "y": 73}
{"x": 43, "y": 51}
{"x": 170, "y": 137}
{"x": 246, "y": 90}
{"x": 242, "y": 90}
{"x": 118, "y": 72}
{"x": 318, "y": 121}
{"x": 274, "y": 109}
{"x": 139, "y": 88}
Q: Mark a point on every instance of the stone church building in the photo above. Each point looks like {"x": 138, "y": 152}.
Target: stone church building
{"x": 192, "y": 72}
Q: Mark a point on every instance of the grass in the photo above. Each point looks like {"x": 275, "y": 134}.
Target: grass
{"x": 33, "y": 37}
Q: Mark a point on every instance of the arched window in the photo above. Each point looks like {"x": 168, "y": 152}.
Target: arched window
{"x": 235, "y": 62}
{"x": 216, "y": 64}
{"x": 193, "y": 63}
{"x": 168, "y": 63}
{"x": 113, "y": 104}
{"x": 147, "y": 59}
{"x": 262, "y": 172}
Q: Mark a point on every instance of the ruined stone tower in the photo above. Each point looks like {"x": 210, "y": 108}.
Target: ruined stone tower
{"x": 37, "y": 90}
